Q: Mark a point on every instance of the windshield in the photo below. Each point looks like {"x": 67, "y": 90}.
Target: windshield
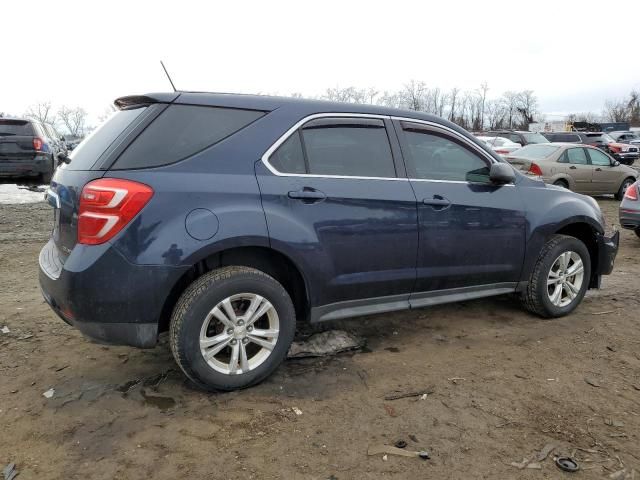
{"x": 536, "y": 152}
{"x": 535, "y": 138}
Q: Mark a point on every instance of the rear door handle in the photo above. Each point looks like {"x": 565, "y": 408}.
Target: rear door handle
{"x": 573, "y": 167}
{"x": 308, "y": 195}
{"x": 598, "y": 169}
{"x": 438, "y": 202}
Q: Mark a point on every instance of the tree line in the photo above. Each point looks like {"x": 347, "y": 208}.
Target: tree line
{"x": 72, "y": 119}
{"x": 471, "y": 109}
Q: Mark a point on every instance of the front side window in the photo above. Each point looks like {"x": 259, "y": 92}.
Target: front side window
{"x": 348, "y": 148}
{"x": 598, "y": 158}
{"x": 577, "y": 156}
{"x": 435, "y": 156}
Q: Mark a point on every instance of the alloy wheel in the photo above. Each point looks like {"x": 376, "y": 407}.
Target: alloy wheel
{"x": 239, "y": 333}
{"x": 565, "y": 278}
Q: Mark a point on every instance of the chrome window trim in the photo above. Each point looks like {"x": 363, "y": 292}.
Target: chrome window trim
{"x": 285, "y": 136}
{"x": 292, "y": 130}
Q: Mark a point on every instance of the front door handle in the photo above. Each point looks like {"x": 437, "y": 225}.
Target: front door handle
{"x": 308, "y": 195}
{"x": 438, "y": 202}
{"x": 598, "y": 169}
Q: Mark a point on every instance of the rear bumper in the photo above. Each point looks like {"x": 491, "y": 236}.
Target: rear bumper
{"x": 108, "y": 299}
{"x": 607, "y": 251}
{"x": 629, "y": 218}
{"x": 15, "y": 167}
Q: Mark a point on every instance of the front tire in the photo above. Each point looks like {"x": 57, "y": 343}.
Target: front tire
{"x": 559, "y": 279}
{"x": 232, "y": 328}
{"x": 561, "y": 183}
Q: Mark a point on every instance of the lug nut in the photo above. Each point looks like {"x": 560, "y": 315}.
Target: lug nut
{"x": 249, "y": 328}
{"x": 229, "y": 331}
{"x": 245, "y": 340}
{"x": 234, "y": 341}
{"x": 240, "y": 323}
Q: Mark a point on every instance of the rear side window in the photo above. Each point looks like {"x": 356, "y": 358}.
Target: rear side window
{"x": 15, "y": 128}
{"x": 359, "y": 148}
{"x": 85, "y": 155}
{"x": 577, "y": 156}
{"x": 181, "y": 131}
{"x": 289, "y": 157}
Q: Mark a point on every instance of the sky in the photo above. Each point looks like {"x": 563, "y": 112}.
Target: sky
{"x": 574, "y": 55}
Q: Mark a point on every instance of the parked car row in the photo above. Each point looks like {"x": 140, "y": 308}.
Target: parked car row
{"x": 623, "y": 151}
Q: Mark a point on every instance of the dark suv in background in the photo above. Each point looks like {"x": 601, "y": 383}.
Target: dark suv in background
{"x": 225, "y": 218}
{"x": 29, "y": 149}
{"x": 518, "y": 136}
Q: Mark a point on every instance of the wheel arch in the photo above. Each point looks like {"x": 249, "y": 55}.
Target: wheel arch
{"x": 263, "y": 258}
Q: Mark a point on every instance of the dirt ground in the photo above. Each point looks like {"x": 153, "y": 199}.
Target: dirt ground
{"x": 505, "y": 384}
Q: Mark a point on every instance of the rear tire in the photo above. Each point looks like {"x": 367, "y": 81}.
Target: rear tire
{"x": 213, "y": 318}
{"x": 637, "y": 230}
{"x": 47, "y": 176}
{"x": 557, "y": 287}
{"x": 626, "y": 183}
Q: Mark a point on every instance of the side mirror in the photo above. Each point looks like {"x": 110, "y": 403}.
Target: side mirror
{"x": 62, "y": 158}
{"x": 616, "y": 163}
{"x": 502, "y": 173}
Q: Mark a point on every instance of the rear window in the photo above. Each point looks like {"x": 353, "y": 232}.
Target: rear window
{"x": 85, "y": 155}
{"x": 535, "y": 138}
{"x": 181, "y": 131}
{"x": 536, "y": 152}
{"x": 15, "y": 127}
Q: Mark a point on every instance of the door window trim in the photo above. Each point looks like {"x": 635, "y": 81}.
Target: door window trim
{"x": 459, "y": 138}
{"x": 284, "y": 137}
{"x": 298, "y": 125}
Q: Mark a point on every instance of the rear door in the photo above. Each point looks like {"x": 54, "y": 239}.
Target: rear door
{"x": 338, "y": 203}
{"x": 577, "y": 166}
{"x": 606, "y": 178}
{"x": 471, "y": 232}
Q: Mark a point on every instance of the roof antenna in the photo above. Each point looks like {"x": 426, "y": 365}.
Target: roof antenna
{"x": 168, "y": 76}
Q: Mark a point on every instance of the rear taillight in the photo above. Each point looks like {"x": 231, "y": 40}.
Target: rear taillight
{"x": 107, "y": 205}
{"x": 37, "y": 144}
{"x": 632, "y": 192}
{"x": 535, "y": 169}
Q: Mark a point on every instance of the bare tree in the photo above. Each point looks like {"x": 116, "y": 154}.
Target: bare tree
{"x": 413, "y": 96}
{"x": 527, "y": 106}
{"x": 453, "y": 96}
{"x": 74, "y": 119}
{"x": 42, "y": 112}
{"x": 351, "y": 95}
{"x": 484, "y": 88}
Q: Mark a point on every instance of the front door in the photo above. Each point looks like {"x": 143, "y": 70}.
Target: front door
{"x": 471, "y": 232}
{"x": 338, "y": 203}
{"x": 577, "y": 166}
{"x": 606, "y": 178}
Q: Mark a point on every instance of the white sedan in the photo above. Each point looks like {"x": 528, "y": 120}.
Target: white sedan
{"x": 500, "y": 145}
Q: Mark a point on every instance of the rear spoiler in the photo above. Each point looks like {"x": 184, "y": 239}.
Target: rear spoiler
{"x": 130, "y": 101}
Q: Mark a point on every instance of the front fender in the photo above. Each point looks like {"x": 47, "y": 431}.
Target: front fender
{"x": 550, "y": 209}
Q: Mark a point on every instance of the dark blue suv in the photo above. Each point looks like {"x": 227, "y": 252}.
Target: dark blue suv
{"x": 225, "y": 218}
